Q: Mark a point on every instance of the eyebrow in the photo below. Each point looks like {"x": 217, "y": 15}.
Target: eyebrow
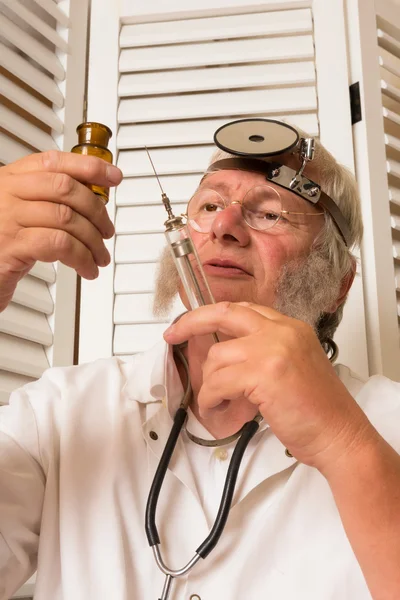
{"x": 225, "y": 188}
{"x": 219, "y": 185}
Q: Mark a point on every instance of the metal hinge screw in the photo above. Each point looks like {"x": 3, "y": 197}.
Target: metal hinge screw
{"x": 313, "y": 191}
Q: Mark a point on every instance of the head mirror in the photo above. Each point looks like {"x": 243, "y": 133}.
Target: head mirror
{"x": 256, "y": 137}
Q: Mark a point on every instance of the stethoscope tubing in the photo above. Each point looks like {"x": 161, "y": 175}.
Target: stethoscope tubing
{"x": 248, "y": 431}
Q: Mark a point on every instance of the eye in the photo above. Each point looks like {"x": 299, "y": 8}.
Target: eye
{"x": 211, "y": 208}
{"x": 270, "y": 216}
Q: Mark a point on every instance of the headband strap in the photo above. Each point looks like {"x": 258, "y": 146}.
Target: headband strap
{"x": 289, "y": 179}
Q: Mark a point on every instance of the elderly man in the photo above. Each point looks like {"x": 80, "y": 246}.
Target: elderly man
{"x": 315, "y": 514}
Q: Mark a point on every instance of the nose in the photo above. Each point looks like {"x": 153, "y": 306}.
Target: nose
{"x": 229, "y": 226}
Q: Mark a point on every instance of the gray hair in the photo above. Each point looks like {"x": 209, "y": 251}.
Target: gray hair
{"x": 338, "y": 183}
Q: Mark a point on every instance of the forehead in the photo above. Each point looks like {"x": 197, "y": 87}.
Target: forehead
{"x": 230, "y": 181}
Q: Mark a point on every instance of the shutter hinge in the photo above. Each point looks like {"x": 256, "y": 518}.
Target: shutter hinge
{"x": 355, "y": 103}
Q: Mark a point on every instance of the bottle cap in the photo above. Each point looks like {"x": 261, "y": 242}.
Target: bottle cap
{"x": 94, "y": 133}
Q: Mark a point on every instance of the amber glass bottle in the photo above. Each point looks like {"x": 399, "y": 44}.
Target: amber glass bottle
{"x": 93, "y": 140}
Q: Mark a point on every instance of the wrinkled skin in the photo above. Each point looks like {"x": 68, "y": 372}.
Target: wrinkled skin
{"x": 48, "y": 214}
{"x": 278, "y": 366}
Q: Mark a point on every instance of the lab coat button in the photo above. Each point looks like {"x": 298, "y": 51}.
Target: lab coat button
{"x": 221, "y": 454}
{"x": 153, "y": 435}
{"x": 194, "y": 597}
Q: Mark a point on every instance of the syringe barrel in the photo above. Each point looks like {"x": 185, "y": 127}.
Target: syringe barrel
{"x": 189, "y": 267}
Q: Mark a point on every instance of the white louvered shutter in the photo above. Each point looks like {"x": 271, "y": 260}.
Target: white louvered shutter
{"x": 179, "y": 79}
{"x": 42, "y": 83}
{"x": 375, "y": 64}
{"x": 389, "y": 62}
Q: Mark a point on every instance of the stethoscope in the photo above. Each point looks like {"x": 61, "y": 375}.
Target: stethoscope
{"x": 244, "y": 435}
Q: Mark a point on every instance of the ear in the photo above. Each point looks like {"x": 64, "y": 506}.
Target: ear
{"x": 345, "y": 286}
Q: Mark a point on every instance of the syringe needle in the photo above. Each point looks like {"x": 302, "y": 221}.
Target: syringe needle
{"x": 155, "y": 172}
{"x": 165, "y": 199}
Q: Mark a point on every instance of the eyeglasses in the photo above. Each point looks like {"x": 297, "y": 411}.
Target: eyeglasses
{"x": 262, "y": 207}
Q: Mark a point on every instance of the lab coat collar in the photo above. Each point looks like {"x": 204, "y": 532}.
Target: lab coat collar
{"x": 153, "y": 377}
{"x": 154, "y": 381}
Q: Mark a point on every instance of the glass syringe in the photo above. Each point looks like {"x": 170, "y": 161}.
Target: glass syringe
{"x": 185, "y": 256}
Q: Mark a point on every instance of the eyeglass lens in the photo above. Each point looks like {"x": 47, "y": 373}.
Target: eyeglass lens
{"x": 262, "y": 207}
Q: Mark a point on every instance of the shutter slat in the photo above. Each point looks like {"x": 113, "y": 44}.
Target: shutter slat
{"x": 35, "y": 294}
{"x": 388, "y": 42}
{"x": 192, "y": 106}
{"x": 25, "y": 131}
{"x": 11, "y": 150}
{"x": 31, "y": 104}
{"x": 189, "y": 30}
{"x": 10, "y": 382}
{"x": 142, "y": 248}
{"x": 396, "y": 249}
{"x": 394, "y": 195}
{"x": 395, "y": 222}
{"x": 172, "y": 82}
{"x": 385, "y": 25}
{"x": 392, "y": 116}
{"x": 144, "y": 219}
{"x": 53, "y": 10}
{"x": 383, "y": 62}
{"x": 181, "y": 133}
{"x": 135, "y": 278}
{"x": 129, "y": 339}
{"x": 393, "y": 168}
{"x": 397, "y": 277}
{"x": 172, "y": 160}
{"x": 22, "y": 356}
{"x": 31, "y": 75}
{"x": 44, "y": 271}
{"x": 34, "y": 21}
{"x": 295, "y": 48}
{"x": 134, "y": 191}
{"x": 26, "y": 323}
{"x": 31, "y": 47}
{"x": 138, "y": 308}
{"x": 392, "y": 141}
{"x": 390, "y": 90}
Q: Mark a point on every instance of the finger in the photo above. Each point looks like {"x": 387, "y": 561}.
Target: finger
{"x": 266, "y": 311}
{"x": 50, "y": 245}
{"x": 60, "y": 216}
{"x": 88, "y": 169}
{"x": 62, "y": 188}
{"x": 227, "y": 353}
{"x": 226, "y": 317}
{"x": 229, "y": 383}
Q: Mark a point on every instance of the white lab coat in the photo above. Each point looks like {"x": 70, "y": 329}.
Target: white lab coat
{"x": 76, "y": 463}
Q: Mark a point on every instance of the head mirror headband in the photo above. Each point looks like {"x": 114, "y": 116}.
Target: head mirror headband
{"x": 254, "y": 140}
